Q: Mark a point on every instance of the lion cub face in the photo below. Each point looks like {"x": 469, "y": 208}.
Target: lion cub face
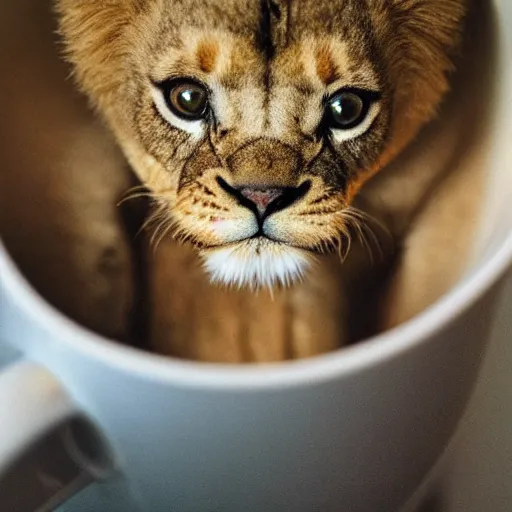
{"x": 255, "y": 123}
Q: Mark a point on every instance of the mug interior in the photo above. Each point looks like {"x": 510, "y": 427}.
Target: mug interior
{"x": 486, "y": 149}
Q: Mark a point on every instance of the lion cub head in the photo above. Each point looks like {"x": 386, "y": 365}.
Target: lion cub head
{"x": 255, "y": 122}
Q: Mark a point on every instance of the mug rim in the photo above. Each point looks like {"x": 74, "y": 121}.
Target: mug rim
{"x": 369, "y": 353}
{"x": 364, "y": 355}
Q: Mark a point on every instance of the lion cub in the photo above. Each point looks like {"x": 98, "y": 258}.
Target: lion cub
{"x": 253, "y": 126}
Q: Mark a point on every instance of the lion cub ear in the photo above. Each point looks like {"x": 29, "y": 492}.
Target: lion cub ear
{"x": 418, "y": 41}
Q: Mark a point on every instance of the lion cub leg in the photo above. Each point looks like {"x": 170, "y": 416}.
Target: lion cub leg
{"x": 192, "y": 319}
{"x": 302, "y": 321}
{"x": 439, "y": 247}
{"x": 318, "y": 310}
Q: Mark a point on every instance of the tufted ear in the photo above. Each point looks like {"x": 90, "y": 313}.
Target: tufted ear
{"x": 418, "y": 40}
{"x": 94, "y": 33}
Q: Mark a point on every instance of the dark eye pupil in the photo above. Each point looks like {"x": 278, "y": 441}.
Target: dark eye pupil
{"x": 347, "y": 110}
{"x": 189, "y": 101}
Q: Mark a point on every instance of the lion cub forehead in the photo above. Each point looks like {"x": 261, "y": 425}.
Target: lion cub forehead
{"x": 234, "y": 60}
{"x": 205, "y": 53}
{"x": 324, "y": 62}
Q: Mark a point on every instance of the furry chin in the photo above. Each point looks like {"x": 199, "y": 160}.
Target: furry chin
{"x": 256, "y": 263}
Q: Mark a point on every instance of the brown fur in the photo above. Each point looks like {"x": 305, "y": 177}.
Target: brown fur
{"x": 207, "y": 53}
{"x": 325, "y": 66}
{"x": 268, "y": 87}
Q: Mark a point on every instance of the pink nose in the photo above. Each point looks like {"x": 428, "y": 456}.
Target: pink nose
{"x": 261, "y": 197}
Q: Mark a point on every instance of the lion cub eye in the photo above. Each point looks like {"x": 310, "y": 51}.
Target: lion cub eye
{"x": 348, "y": 109}
{"x": 187, "y": 100}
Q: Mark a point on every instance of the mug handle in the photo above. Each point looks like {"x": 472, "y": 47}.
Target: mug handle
{"x": 33, "y": 405}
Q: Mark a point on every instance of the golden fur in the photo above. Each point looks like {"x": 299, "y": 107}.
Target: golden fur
{"x": 268, "y": 65}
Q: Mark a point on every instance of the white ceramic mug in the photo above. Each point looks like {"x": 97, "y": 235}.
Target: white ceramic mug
{"x": 355, "y": 430}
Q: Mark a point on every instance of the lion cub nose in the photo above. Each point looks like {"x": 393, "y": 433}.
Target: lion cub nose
{"x": 266, "y": 200}
{"x": 261, "y": 197}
